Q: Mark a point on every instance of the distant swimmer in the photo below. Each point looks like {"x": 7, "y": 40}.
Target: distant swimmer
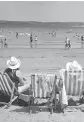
{"x": 67, "y": 43}
{"x": 82, "y": 41}
{"x": 31, "y": 40}
{"x": 35, "y": 41}
{"x": 17, "y": 35}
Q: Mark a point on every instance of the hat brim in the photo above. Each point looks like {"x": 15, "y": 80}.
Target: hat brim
{"x": 15, "y": 66}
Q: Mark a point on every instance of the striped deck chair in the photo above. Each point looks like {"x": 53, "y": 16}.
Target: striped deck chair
{"x": 39, "y": 93}
{"x": 74, "y": 82}
{"x": 40, "y": 90}
{"x": 8, "y": 88}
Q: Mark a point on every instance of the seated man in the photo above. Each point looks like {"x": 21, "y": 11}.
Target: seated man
{"x": 15, "y": 75}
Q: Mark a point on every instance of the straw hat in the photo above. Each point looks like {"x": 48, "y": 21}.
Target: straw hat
{"x": 13, "y": 63}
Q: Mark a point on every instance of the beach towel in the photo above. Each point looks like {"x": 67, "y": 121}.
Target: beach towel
{"x": 62, "y": 93}
{"x": 43, "y": 85}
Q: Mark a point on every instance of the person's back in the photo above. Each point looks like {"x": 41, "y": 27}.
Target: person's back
{"x": 12, "y": 76}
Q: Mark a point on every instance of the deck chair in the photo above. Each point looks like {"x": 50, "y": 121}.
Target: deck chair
{"x": 37, "y": 93}
{"x": 8, "y": 87}
{"x": 74, "y": 82}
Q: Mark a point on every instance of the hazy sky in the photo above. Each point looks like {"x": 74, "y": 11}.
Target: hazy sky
{"x": 42, "y": 11}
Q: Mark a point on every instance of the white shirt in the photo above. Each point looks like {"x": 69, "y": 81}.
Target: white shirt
{"x": 36, "y": 38}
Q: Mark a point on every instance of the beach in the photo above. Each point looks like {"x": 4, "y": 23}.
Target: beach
{"x": 49, "y": 57}
{"x": 21, "y": 114}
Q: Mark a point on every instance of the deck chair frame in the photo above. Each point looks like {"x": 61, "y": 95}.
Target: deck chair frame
{"x": 3, "y": 86}
{"x": 5, "y": 79}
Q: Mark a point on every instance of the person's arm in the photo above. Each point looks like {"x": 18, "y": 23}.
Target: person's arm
{"x": 19, "y": 75}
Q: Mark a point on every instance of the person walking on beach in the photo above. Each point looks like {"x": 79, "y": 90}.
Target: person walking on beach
{"x": 82, "y": 41}
{"x": 67, "y": 43}
{"x": 31, "y": 41}
{"x": 35, "y": 41}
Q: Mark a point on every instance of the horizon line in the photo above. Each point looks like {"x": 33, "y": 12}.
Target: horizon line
{"x": 42, "y": 21}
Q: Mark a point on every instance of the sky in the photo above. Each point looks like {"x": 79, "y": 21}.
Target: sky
{"x": 43, "y": 11}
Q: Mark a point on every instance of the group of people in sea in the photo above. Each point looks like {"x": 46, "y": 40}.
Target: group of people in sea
{"x": 33, "y": 39}
{"x": 68, "y": 41}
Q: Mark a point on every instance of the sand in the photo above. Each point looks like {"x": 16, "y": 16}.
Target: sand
{"x": 21, "y": 114}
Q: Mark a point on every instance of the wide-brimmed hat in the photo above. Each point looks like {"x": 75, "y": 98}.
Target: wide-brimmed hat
{"x": 13, "y": 63}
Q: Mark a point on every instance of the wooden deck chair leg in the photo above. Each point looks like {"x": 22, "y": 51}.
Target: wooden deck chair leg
{"x": 12, "y": 93}
{"x": 55, "y": 92}
{"x": 55, "y": 101}
{"x": 30, "y": 105}
{"x": 31, "y": 102}
{"x": 10, "y": 102}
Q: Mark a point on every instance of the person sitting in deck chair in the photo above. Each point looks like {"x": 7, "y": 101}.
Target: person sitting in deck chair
{"x": 70, "y": 66}
{"x": 15, "y": 75}
{"x": 75, "y": 66}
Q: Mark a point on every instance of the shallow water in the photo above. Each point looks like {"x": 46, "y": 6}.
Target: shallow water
{"x": 45, "y": 40}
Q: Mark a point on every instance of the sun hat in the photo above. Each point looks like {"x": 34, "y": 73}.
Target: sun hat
{"x": 13, "y": 63}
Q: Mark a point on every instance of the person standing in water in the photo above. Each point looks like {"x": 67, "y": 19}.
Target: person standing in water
{"x": 35, "y": 41}
{"x": 31, "y": 40}
{"x": 82, "y": 41}
{"x": 17, "y": 35}
{"x": 5, "y": 43}
{"x": 1, "y": 41}
{"x": 67, "y": 43}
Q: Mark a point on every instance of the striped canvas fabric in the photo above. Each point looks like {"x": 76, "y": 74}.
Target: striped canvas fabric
{"x": 74, "y": 82}
{"x": 5, "y": 86}
{"x": 42, "y": 84}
